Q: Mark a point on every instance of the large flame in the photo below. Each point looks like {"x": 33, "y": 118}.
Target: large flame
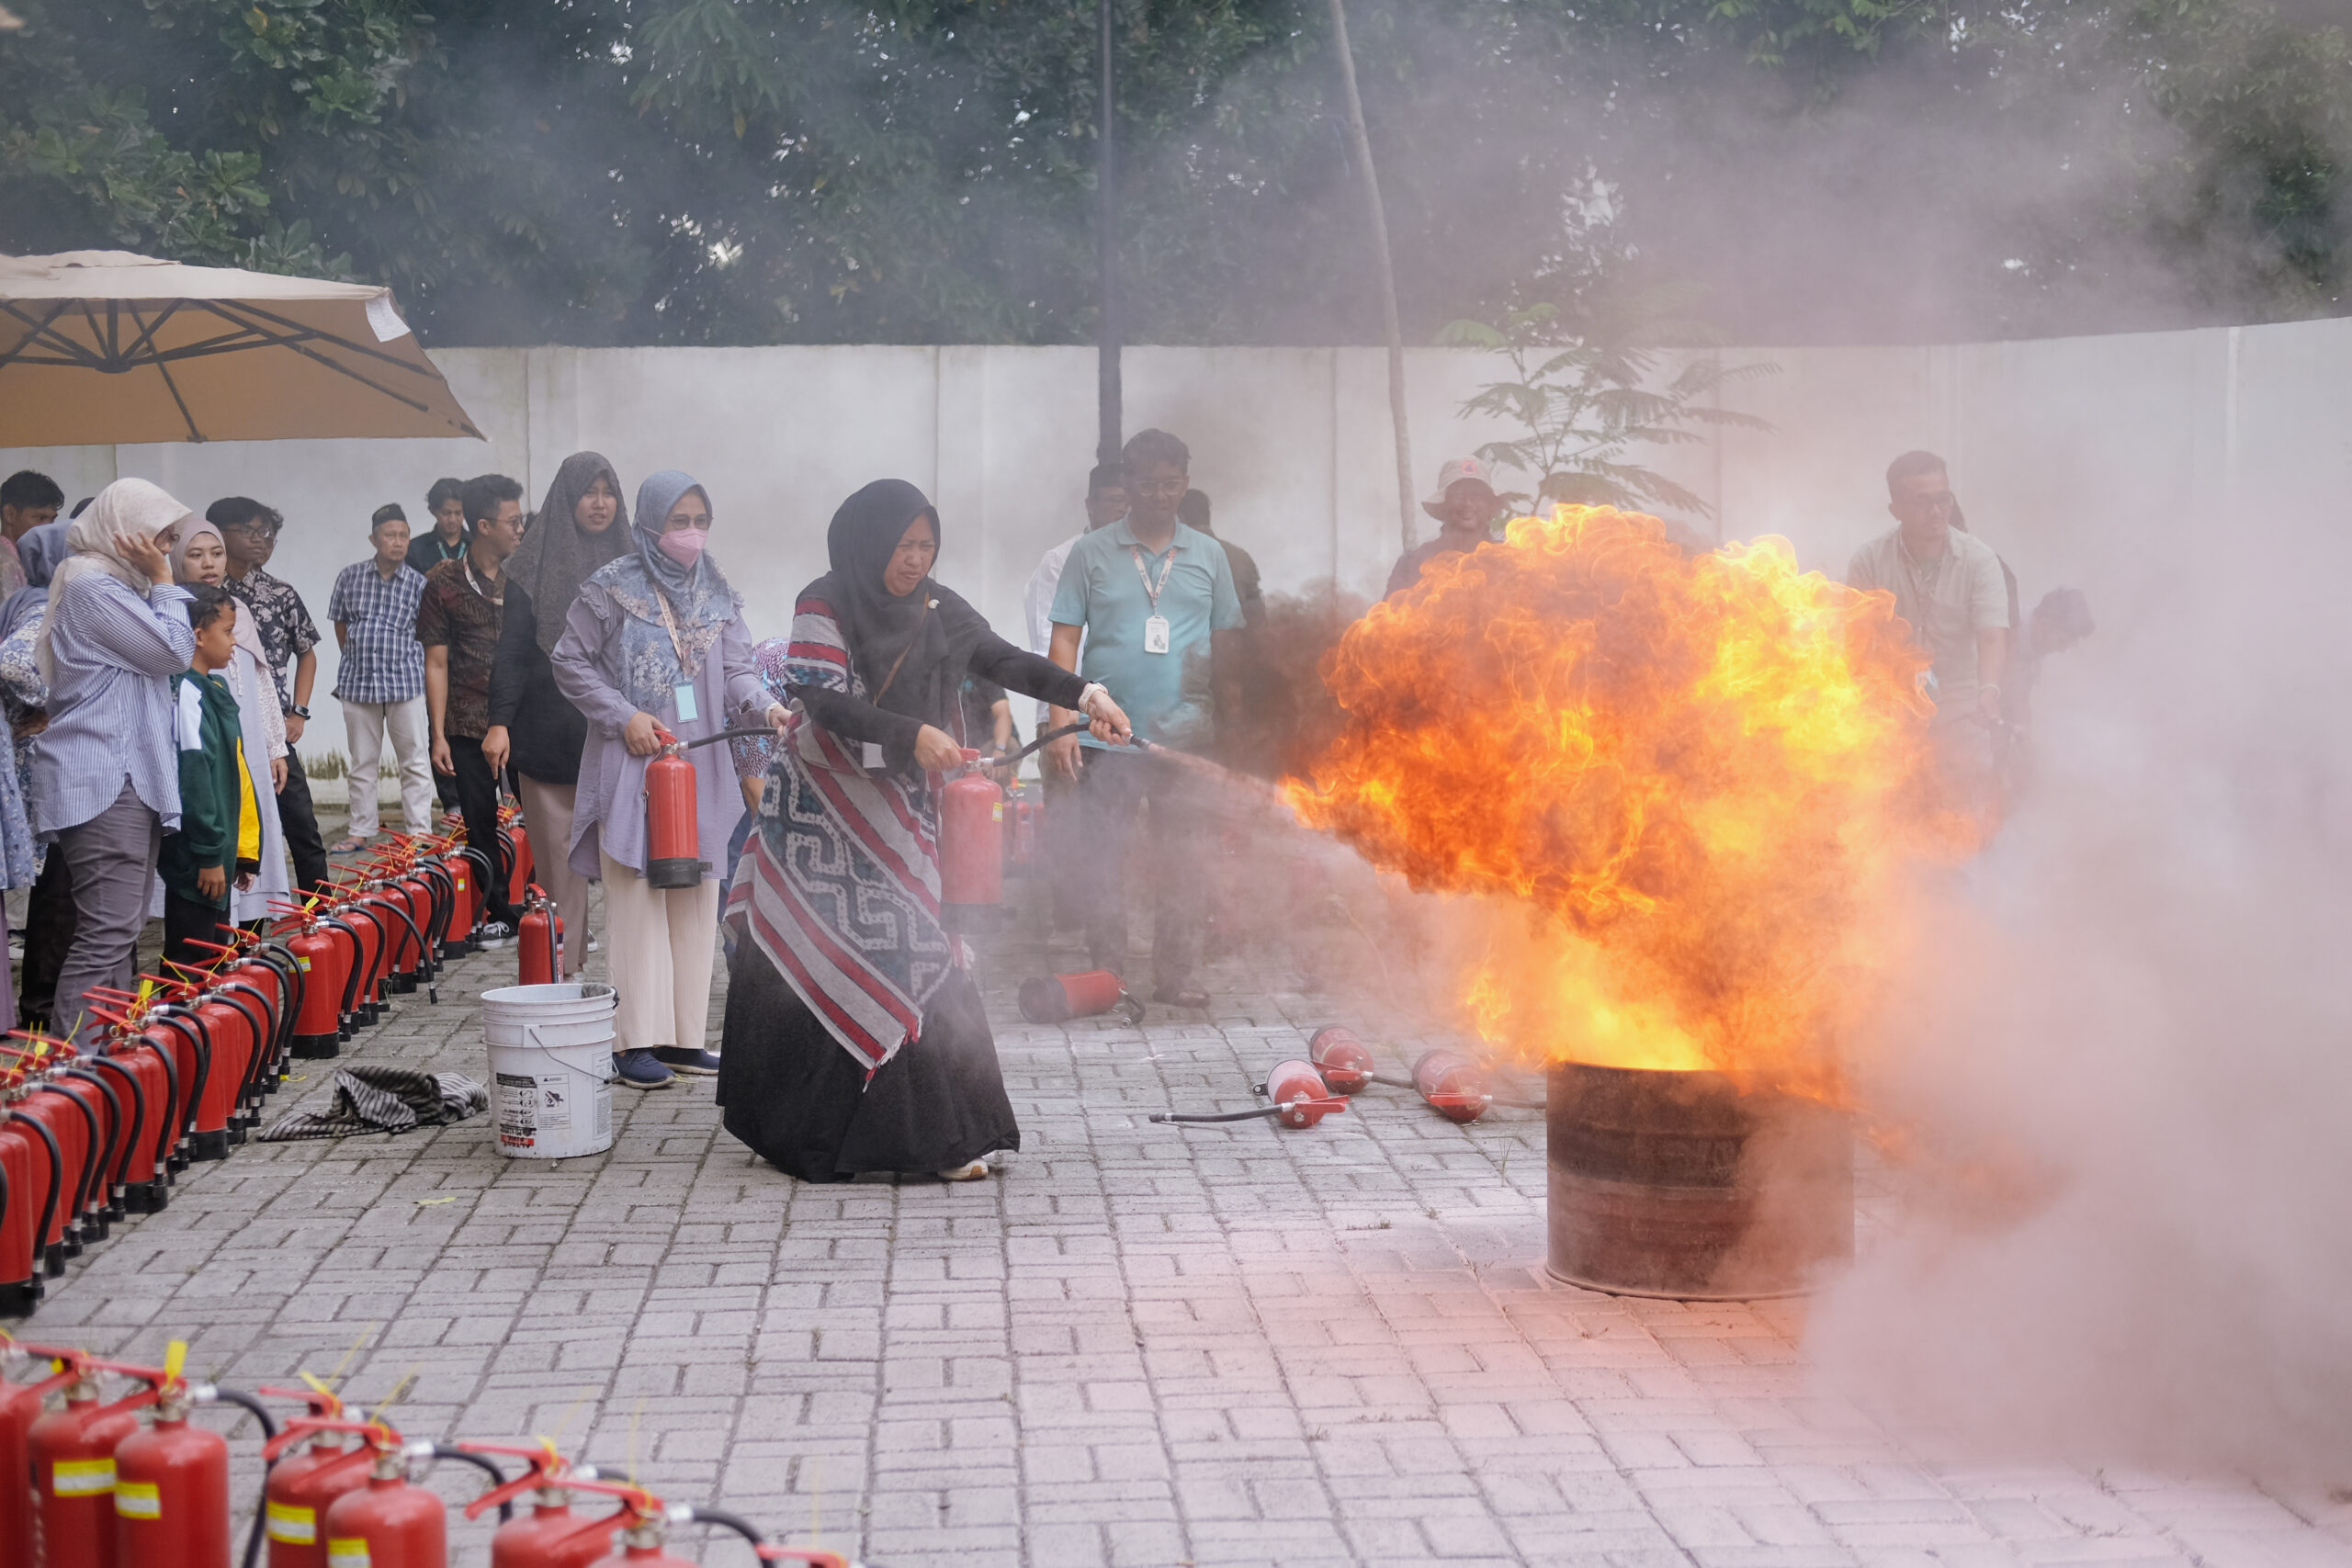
{"x": 1691, "y": 787}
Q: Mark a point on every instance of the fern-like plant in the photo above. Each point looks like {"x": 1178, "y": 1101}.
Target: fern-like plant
{"x": 1587, "y": 400}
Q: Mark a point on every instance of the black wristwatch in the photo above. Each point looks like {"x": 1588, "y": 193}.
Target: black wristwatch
{"x": 298, "y": 711}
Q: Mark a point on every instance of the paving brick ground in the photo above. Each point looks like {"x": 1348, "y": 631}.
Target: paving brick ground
{"x": 1136, "y": 1346}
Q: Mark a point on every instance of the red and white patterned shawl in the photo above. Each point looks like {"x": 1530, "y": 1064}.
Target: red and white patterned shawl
{"x": 840, "y": 881}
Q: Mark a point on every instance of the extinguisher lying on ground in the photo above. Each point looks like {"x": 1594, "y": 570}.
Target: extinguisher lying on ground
{"x": 1296, "y": 1089}
{"x": 1057, "y": 999}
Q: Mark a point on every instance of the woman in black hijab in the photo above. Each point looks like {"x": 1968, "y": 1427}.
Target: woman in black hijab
{"x": 854, "y": 1038}
{"x": 582, "y": 523}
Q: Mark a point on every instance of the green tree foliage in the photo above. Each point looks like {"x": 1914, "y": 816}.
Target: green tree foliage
{"x": 754, "y": 171}
{"x": 1586, "y": 399}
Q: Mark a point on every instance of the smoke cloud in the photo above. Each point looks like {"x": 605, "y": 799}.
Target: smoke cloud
{"x": 2113, "y": 1082}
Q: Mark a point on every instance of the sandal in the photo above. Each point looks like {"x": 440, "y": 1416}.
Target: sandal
{"x": 349, "y": 846}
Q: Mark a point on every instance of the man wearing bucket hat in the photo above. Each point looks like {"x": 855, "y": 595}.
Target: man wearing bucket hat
{"x": 1465, "y": 504}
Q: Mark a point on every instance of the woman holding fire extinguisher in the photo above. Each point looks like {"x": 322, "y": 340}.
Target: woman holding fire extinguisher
{"x": 656, "y": 642}
{"x": 854, "y": 1037}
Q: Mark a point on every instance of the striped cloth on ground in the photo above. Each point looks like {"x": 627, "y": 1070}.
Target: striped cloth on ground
{"x": 370, "y": 1099}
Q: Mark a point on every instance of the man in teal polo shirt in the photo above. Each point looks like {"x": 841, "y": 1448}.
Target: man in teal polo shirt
{"x": 1155, "y": 603}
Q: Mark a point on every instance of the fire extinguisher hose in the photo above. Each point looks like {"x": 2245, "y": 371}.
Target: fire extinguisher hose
{"x": 757, "y": 732}
{"x": 206, "y": 1394}
{"x": 480, "y": 1462}
{"x": 1204, "y": 1118}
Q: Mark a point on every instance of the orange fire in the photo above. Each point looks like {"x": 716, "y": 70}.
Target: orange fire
{"x": 1687, "y": 790}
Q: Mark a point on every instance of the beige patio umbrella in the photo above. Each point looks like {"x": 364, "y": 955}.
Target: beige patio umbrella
{"x": 106, "y": 347}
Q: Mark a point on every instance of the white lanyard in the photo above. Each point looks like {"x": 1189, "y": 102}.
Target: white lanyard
{"x": 498, "y": 598}
{"x": 1168, "y": 564}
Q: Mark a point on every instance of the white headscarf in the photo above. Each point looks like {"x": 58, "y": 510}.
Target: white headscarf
{"x": 125, "y": 510}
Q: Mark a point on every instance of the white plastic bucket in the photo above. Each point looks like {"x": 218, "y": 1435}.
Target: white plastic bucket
{"x": 550, "y": 1067}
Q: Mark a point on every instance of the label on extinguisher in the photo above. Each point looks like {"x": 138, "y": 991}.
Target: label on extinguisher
{"x": 304, "y": 961}
{"x": 293, "y": 1524}
{"x": 348, "y": 1553}
{"x": 138, "y": 1500}
{"x": 81, "y": 1477}
{"x": 996, "y": 811}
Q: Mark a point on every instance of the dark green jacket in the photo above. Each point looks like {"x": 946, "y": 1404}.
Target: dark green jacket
{"x": 206, "y": 728}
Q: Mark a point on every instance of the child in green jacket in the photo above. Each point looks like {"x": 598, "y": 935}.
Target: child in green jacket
{"x": 218, "y": 838}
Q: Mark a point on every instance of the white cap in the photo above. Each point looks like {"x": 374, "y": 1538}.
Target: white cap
{"x": 1452, "y": 474}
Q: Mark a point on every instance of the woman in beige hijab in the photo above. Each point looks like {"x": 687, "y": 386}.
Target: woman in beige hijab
{"x": 202, "y": 555}
{"x": 105, "y": 772}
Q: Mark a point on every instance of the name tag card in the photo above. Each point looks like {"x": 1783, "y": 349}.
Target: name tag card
{"x": 1155, "y": 634}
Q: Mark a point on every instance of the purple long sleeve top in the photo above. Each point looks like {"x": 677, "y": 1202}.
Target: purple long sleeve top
{"x": 608, "y": 816}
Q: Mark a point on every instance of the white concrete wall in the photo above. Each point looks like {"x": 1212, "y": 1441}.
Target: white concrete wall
{"x": 2060, "y": 450}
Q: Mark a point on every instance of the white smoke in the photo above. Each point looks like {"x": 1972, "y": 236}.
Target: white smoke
{"x": 2119, "y": 1068}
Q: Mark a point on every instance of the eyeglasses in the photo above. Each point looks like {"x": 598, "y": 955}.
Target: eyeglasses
{"x": 256, "y": 525}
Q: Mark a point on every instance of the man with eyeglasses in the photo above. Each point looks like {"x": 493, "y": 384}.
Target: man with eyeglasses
{"x": 1949, "y": 589}
{"x": 1153, "y": 604}
{"x": 249, "y": 530}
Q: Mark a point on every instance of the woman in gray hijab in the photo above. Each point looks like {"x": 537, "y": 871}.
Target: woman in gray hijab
{"x": 582, "y": 525}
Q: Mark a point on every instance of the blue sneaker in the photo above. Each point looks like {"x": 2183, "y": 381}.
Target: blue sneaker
{"x": 685, "y": 1059}
{"x": 639, "y": 1069}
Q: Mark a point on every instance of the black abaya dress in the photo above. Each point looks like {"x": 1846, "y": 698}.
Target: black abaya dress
{"x": 804, "y": 1104}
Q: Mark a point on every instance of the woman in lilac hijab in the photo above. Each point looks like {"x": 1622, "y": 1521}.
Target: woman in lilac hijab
{"x": 656, "y": 642}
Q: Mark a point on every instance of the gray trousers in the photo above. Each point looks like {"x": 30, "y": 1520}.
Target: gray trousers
{"x": 112, "y": 857}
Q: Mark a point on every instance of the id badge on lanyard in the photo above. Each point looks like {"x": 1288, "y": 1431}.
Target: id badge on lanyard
{"x": 683, "y": 694}
{"x": 1155, "y": 625}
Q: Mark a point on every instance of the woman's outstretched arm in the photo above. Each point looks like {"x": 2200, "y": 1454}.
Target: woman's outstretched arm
{"x": 1030, "y": 674}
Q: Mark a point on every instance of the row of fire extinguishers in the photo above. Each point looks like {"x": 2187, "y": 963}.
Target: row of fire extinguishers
{"x": 1337, "y": 1065}
{"x": 92, "y": 1484}
{"x": 183, "y": 1067}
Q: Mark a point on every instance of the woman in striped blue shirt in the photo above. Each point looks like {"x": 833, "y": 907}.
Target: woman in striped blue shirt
{"x": 106, "y": 775}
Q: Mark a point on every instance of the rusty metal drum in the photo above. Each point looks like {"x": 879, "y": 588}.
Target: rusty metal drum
{"x": 1675, "y": 1184}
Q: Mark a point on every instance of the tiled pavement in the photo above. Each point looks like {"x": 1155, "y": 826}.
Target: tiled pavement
{"x": 1137, "y": 1345}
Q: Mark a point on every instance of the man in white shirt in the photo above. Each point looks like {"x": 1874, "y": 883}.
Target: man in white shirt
{"x": 1949, "y": 589}
{"x": 1106, "y": 502}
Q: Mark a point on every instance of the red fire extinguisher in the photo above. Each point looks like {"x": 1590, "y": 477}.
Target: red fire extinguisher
{"x": 71, "y": 1452}
{"x": 673, "y": 838}
{"x": 1454, "y": 1086}
{"x": 390, "y": 1522}
{"x": 971, "y": 846}
{"x": 538, "y": 943}
{"x": 522, "y": 864}
{"x": 20, "y": 1407}
{"x": 1057, "y": 999}
{"x": 310, "y": 1467}
{"x": 1345, "y": 1063}
{"x": 31, "y": 1172}
{"x": 1297, "y": 1092}
{"x": 171, "y": 1486}
{"x": 550, "y": 1535}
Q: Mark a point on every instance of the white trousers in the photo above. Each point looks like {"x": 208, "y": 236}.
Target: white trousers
{"x": 366, "y": 724}
{"x": 546, "y": 812}
{"x": 659, "y": 944}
